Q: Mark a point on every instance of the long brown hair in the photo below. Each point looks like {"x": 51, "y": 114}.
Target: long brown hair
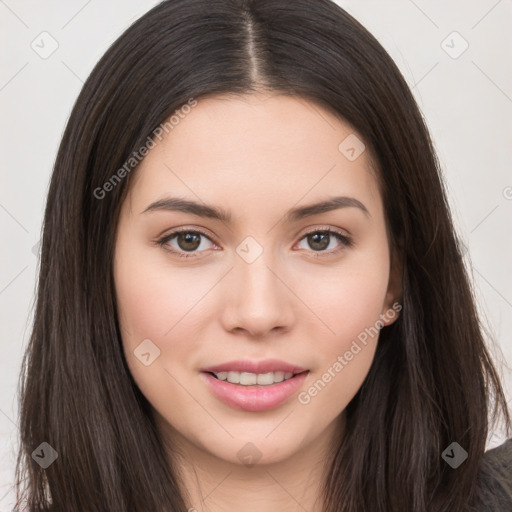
{"x": 432, "y": 381}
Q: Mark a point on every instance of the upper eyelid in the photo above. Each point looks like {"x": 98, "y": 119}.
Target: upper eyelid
{"x": 177, "y": 231}
{"x": 314, "y": 229}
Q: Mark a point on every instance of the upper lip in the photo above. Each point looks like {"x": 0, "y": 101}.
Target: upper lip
{"x": 265, "y": 366}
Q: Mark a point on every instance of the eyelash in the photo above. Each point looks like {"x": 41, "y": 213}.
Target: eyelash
{"x": 345, "y": 241}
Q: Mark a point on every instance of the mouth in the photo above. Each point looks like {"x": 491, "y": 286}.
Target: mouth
{"x": 255, "y": 379}
{"x": 254, "y": 391}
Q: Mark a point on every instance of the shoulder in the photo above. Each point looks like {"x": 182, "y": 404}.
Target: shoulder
{"x": 500, "y": 459}
{"x": 494, "y": 481}
{"x": 501, "y": 455}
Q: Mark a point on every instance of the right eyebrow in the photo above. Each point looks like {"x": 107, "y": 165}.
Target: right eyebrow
{"x": 187, "y": 206}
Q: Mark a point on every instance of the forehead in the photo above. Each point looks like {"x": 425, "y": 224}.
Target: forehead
{"x": 251, "y": 150}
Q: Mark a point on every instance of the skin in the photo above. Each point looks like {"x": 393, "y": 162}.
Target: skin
{"x": 256, "y": 156}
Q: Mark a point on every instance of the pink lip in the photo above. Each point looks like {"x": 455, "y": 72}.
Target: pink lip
{"x": 245, "y": 365}
{"x": 254, "y": 398}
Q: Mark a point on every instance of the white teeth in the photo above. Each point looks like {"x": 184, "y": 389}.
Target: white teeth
{"x": 234, "y": 377}
{"x": 278, "y": 376}
{"x": 264, "y": 379}
{"x": 250, "y": 379}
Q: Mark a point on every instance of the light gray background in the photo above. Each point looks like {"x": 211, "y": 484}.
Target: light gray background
{"x": 466, "y": 101}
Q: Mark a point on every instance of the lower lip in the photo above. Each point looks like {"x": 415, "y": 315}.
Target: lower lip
{"x": 254, "y": 398}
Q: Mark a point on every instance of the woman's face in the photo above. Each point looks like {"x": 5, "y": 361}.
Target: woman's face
{"x": 265, "y": 282}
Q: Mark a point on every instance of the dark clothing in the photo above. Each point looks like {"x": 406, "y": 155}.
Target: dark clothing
{"x": 494, "y": 485}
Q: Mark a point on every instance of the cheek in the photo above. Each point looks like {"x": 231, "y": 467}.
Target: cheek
{"x": 348, "y": 300}
{"x": 167, "y": 305}
{"x": 349, "y": 306}
{"x": 343, "y": 357}
{"x": 155, "y": 300}
{"x": 158, "y": 305}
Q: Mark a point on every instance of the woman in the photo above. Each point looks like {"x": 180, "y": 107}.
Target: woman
{"x": 251, "y": 293}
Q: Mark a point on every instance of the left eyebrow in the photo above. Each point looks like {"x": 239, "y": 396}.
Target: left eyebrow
{"x": 217, "y": 213}
{"x": 334, "y": 203}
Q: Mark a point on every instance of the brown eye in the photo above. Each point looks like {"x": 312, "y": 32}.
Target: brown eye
{"x": 319, "y": 241}
{"x": 188, "y": 241}
{"x": 185, "y": 243}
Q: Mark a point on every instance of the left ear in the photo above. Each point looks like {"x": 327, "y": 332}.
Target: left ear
{"x": 393, "y": 300}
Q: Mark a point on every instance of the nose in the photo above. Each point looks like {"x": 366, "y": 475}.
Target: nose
{"x": 257, "y": 299}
